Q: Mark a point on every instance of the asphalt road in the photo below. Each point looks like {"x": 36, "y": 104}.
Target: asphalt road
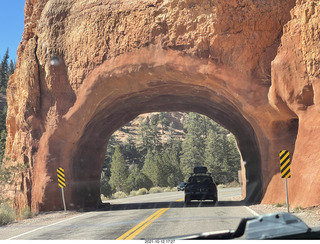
{"x": 161, "y": 215}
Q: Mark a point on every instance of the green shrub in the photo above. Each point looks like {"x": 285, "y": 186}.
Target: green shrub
{"x": 7, "y": 214}
{"x": 298, "y": 208}
{"x": 133, "y": 193}
{"x": 105, "y": 187}
{"x": 142, "y": 191}
{"x": 25, "y": 213}
{"x": 119, "y": 194}
{"x": 221, "y": 186}
{"x": 155, "y": 189}
{"x": 104, "y": 198}
{"x": 279, "y": 205}
{"x": 167, "y": 189}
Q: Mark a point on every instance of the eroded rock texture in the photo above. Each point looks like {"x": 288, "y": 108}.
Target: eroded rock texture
{"x": 85, "y": 68}
{"x": 295, "y": 88}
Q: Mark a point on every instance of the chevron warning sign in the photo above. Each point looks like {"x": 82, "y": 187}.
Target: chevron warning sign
{"x": 285, "y": 164}
{"x": 61, "y": 177}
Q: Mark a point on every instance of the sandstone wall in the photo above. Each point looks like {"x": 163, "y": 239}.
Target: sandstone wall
{"x": 295, "y": 88}
{"x": 87, "y": 67}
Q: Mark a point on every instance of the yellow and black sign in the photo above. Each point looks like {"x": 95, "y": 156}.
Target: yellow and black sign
{"x": 285, "y": 164}
{"x": 61, "y": 177}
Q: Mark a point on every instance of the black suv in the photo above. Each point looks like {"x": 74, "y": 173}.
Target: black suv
{"x": 200, "y": 186}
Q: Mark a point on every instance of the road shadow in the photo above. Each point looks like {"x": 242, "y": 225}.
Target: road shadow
{"x": 155, "y": 205}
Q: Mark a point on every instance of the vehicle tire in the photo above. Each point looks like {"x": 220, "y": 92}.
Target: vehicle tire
{"x": 215, "y": 200}
{"x": 187, "y": 199}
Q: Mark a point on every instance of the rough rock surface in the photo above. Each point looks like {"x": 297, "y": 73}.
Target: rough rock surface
{"x": 295, "y": 89}
{"x": 85, "y": 68}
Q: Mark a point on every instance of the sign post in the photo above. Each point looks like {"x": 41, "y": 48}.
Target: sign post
{"x": 285, "y": 170}
{"x": 62, "y": 184}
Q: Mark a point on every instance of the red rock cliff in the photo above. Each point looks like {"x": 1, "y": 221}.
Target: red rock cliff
{"x": 295, "y": 88}
{"x": 87, "y": 67}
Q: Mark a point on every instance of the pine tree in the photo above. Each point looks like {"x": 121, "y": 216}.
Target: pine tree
{"x": 108, "y": 156}
{"x": 148, "y": 134}
{"x": 156, "y": 168}
{"x": 191, "y": 155}
{"x": 212, "y": 159}
{"x": 4, "y": 71}
{"x": 233, "y": 158}
{"x": 222, "y": 157}
{"x": 155, "y": 135}
{"x": 163, "y": 168}
{"x": 105, "y": 187}
{"x": 193, "y": 145}
{"x": 137, "y": 180}
{"x": 143, "y": 142}
{"x": 130, "y": 152}
{"x": 168, "y": 163}
{"x": 119, "y": 171}
{"x": 149, "y": 168}
{"x": 163, "y": 121}
{"x": 173, "y": 174}
{"x": 12, "y": 67}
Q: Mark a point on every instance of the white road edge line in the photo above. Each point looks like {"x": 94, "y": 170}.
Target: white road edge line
{"x": 252, "y": 211}
{"x": 46, "y": 226}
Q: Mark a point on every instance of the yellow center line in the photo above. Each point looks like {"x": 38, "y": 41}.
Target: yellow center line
{"x": 129, "y": 235}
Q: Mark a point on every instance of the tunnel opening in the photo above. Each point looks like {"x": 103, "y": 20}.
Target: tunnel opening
{"x": 158, "y": 151}
{"x": 91, "y": 151}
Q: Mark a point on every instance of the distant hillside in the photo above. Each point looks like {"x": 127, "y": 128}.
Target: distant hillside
{"x": 175, "y": 119}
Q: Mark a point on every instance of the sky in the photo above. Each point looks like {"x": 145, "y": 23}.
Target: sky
{"x": 11, "y": 26}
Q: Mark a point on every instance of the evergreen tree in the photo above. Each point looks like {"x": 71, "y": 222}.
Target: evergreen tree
{"x": 171, "y": 132}
{"x": 154, "y": 162}
{"x": 4, "y": 72}
{"x": 213, "y": 150}
{"x": 150, "y": 168}
{"x": 154, "y": 135}
{"x": 163, "y": 169}
{"x": 173, "y": 172}
{"x": 137, "y": 180}
{"x": 130, "y": 151}
{"x": 233, "y": 158}
{"x": 148, "y": 134}
{"x": 155, "y": 168}
{"x": 119, "y": 171}
{"x": 105, "y": 187}
{"x": 143, "y": 143}
{"x": 193, "y": 145}
{"x": 163, "y": 121}
{"x": 108, "y": 156}
{"x": 221, "y": 157}
{"x": 12, "y": 67}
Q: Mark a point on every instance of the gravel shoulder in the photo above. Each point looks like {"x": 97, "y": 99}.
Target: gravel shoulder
{"x": 38, "y": 221}
{"x": 311, "y": 216}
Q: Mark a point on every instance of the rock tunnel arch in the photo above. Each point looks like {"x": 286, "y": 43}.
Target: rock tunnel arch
{"x": 224, "y": 115}
{"x": 109, "y": 100}
{"x": 212, "y": 56}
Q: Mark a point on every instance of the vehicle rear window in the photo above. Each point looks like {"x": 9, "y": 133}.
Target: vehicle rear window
{"x": 200, "y": 179}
